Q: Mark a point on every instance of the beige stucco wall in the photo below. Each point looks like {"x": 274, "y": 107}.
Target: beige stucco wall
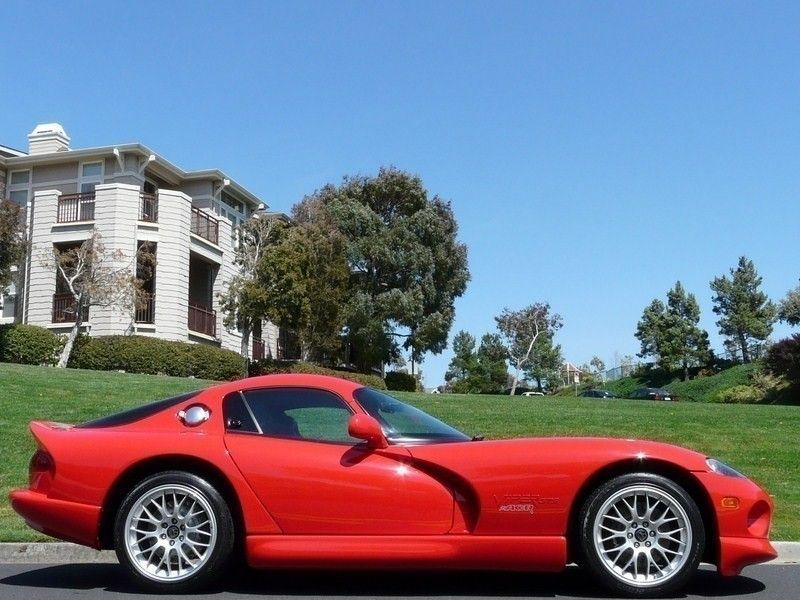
{"x": 172, "y": 265}
{"x": 116, "y": 211}
{"x": 42, "y": 279}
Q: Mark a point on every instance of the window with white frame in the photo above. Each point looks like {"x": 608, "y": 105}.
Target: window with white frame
{"x": 91, "y": 174}
{"x": 19, "y": 187}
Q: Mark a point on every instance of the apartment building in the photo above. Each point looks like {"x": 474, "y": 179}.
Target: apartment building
{"x": 131, "y": 196}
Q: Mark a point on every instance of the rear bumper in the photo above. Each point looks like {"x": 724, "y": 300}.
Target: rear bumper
{"x": 64, "y": 520}
{"x": 737, "y": 553}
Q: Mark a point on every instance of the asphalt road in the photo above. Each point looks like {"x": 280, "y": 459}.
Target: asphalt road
{"x": 30, "y": 582}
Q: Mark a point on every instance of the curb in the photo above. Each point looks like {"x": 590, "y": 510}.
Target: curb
{"x": 62, "y": 552}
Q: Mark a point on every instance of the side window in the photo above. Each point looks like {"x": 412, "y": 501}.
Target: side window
{"x": 300, "y": 413}
{"x": 237, "y": 415}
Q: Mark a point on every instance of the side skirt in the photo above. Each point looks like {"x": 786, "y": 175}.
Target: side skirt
{"x": 505, "y": 553}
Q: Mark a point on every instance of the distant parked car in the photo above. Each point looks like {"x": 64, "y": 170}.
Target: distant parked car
{"x": 651, "y": 394}
{"x": 597, "y": 394}
{"x": 533, "y": 393}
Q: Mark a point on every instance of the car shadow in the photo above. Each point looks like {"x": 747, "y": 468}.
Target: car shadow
{"x": 571, "y": 583}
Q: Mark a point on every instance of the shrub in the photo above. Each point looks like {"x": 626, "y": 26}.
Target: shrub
{"x": 401, "y": 382}
{"x": 141, "y": 354}
{"x": 29, "y": 345}
{"x": 783, "y": 359}
{"x": 741, "y": 394}
{"x": 270, "y": 366}
{"x": 209, "y": 362}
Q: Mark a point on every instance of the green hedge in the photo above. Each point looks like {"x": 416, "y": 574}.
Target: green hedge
{"x": 29, "y": 345}
{"x": 140, "y": 354}
{"x": 401, "y": 382}
{"x": 273, "y": 367}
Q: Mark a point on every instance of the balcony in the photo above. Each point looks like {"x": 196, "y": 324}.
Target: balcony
{"x": 75, "y": 207}
{"x": 202, "y": 319}
{"x": 258, "y": 349}
{"x": 146, "y": 309}
{"x": 148, "y": 208}
{"x": 64, "y": 307}
{"x": 205, "y": 226}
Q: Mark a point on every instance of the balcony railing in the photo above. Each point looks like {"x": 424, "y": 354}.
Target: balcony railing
{"x": 64, "y": 307}
{"x": 146, "y": 309}
{"x": 148, "y": 207}
{"x": 258, "y": 349}
{"x": 206, "y": 226}
{"x": 75, "y": 207}
{"x": 202, "y": 319}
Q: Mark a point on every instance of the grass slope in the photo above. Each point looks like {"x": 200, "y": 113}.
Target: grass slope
{"x": 69, "y": 396}
{"x": 702, "y": 389}
{"x": 759, "y": 440}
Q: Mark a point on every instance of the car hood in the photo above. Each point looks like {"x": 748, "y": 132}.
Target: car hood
{"x": 589, "y": 451}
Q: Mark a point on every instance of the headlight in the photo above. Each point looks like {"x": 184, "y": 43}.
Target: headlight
{"x": 717, "y": 466}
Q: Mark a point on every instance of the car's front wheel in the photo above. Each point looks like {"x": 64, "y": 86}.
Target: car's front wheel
{"x": 173, "y": 532}
{"x": 642, "y": 535}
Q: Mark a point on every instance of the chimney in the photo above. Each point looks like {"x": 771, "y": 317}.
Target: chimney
{"x": 47, "y": 137}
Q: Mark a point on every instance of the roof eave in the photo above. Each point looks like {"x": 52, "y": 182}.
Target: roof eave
{"x": 177, "y": 173}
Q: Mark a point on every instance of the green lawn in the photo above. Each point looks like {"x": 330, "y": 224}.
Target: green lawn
{"x": 759, "y": 440}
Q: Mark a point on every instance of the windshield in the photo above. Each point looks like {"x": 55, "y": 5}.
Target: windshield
{"x": 404, "y": 423}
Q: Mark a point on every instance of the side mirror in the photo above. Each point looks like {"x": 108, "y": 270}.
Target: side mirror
{"x": 364, "y": 427}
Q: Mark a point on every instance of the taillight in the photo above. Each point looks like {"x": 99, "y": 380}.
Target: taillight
{"x": 41, "y": 471}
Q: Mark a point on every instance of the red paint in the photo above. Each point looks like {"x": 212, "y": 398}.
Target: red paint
{"x": 492, "y": 504}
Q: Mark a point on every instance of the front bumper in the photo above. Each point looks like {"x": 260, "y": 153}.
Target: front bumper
{"x": 64, "y": 520}
{"x": 743, "y": 531}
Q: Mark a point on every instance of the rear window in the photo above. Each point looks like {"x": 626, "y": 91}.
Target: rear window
{"x": 138, "y": 413}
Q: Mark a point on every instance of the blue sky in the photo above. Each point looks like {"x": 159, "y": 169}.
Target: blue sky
{"x": 594, "y": 152}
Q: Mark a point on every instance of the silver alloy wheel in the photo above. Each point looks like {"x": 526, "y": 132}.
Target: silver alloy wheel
{"x": 170, "y": 532}
{"x": 642, "y": 535}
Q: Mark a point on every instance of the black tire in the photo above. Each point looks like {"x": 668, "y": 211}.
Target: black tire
{"x": 168, "y": 537}
{"x": 618, "y": 544}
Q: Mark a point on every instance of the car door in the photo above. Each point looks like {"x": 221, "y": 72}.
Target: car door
{"x": 292, "y": 446}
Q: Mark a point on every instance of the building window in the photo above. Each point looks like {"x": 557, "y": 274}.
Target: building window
{"x": 20, "y": 177}
{"x": 19, "y": 187}
{"x": 91, "y": 175}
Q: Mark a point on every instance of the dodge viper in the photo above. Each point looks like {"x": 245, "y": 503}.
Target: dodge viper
{"x": 304, "y": 471}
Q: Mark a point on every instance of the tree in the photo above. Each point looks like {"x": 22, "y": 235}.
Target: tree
{"x": 545, "y": 363}
{"x": 97, "y": 277}
{"x": 481, "y": 372}
{"x": 407, "y": 266}
{"x": 244, "y": 303}
{"x": 492, "y": 371}
{"x": 302, "y": 282}
{"x": 464, "y": 359}
{"x": 789, "y": 307}
{"x": 12, "y": 243}
{"x": 671, "y": 332}
{"x": 746, "y": 313}
{"x": 598, "y": 366}
{"x": 520, "y": 331}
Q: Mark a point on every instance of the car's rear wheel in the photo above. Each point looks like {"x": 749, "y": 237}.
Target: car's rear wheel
{"x": 174, "y": 532}
{"x": 642, "y": 535}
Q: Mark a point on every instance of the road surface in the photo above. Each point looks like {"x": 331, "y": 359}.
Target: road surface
{"x": 54, "y": 582}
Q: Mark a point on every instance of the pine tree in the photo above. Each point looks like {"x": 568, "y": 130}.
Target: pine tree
{"x": 746, "y": 313}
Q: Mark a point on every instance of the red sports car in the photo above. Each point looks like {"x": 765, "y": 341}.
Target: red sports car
{"x": 298, "y": 471}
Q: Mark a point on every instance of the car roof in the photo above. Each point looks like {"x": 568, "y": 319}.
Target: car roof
{"x": 336, "y": 384}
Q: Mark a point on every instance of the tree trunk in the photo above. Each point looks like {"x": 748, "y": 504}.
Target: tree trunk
{"x": 745, "y": 349}
{"x": 70, "y": 343}
{"x": 539, "y": 383}
{"x": 245, "y": 349}
{"x": 685, "y": 371}
{"x": 514, "y": 382}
